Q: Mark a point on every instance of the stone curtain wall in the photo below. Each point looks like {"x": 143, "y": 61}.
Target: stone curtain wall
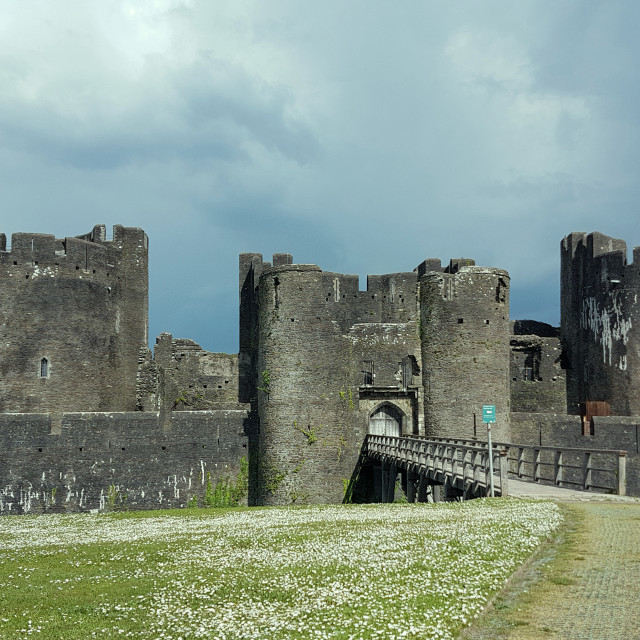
{"x": 116, "y": 460}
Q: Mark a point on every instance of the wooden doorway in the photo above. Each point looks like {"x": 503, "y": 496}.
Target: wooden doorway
{"x": 386, "y": 421}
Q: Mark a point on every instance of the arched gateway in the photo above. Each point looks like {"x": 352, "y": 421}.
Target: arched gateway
{"x": 386, "y": 421}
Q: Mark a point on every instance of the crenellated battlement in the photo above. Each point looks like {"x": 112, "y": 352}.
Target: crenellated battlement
{"x": 593, "y": 246}
{"x": 388, "y": 297}
{"x": 594, "y": 260}
{"x": 89, "y": 256}
{"x": 434, "y": 264}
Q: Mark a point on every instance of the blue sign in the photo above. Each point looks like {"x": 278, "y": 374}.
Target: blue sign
{"x": 488, "y": 413}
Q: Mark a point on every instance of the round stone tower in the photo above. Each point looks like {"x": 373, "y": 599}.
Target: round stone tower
{"x": 464, "y": 326}
{"x": 307, "y": 442}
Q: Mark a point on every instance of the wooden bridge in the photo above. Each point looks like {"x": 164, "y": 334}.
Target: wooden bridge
{"x": 441, "y": 469}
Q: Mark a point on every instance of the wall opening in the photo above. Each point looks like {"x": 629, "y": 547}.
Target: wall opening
{"x": 528, "y": 363}
{"x": 386, "y": 421}
{"x": 44, "y": 368}
{"x": 447, "y": 287}
{"x": 409, "y": 367}
{"x": 336, "y": 290}
{"x": 501, "y": 291}
{"x": 367, "y": 372}
{"x": 276, "y": 292}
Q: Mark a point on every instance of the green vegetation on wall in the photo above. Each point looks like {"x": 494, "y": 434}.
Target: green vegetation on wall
{"x": 266, "y": 382}
{"x": 226, "y": 492}
{"x": 310, "y": 433}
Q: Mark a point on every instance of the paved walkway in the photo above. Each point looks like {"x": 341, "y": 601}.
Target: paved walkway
{"x": 589, "y": 591}
{"x": 521, "y": 489}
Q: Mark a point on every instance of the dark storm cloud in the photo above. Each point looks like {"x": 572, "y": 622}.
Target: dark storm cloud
{"x": 361, "y": 136}
{"x": 199, "y": 122}
{"x": 257, "y": 112}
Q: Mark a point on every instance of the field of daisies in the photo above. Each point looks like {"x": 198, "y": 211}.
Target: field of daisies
{"x": 370, "y": 571}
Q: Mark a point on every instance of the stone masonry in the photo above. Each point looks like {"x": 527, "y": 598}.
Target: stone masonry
{"x": 90, "y": 418}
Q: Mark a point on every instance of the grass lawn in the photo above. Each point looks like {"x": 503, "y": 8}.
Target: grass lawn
{"x": 367, "y": 571}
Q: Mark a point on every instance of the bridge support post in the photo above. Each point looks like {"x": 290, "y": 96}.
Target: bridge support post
{"x": 412, "y": 479}
{"x": 384, "y": 481}
{"x": 436, "y": 492}
{"x": 422, "y": 488}
{"x": 389, "y": 475}
{"x": 391, "y": 490}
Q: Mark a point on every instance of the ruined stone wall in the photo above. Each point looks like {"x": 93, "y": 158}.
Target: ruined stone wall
{"x": 600, "y": 316}
{"x": 538, "y": 380}
{"x": 109, "y": 461}
{"x": 73, "y": 319}
{"x": 182, "y": 376}
{"x": 464, "y": 326}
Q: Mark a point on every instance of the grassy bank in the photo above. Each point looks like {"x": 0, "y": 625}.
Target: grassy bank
{"x": 374, "y": 571}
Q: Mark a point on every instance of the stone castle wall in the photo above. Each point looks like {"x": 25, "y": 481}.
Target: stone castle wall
{"x": 103, "y": 461}
{"x": 600, "y": 321}
{"x": 315, "y": 337}
{"x": 73, "y": 318}
{"x": 464, "y": 327}
{"x": 309, "y": 431}
{"x": 538, "y": 377}
{"x": 181, "y": 376}
{"x": 329, "y": 358}
{"x": 320, "y": 365}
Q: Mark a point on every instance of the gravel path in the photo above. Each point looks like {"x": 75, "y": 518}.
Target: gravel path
{"x": 589, "y": 591}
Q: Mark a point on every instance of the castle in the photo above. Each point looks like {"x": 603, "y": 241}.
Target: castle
{"x": 91, "y": 419}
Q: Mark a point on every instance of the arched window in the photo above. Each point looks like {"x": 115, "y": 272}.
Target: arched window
{"x": 44, "y": 368}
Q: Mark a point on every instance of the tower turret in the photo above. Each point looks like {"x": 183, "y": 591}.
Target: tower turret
{"x": 464, "y": 325}
{"x": 73, "y": 318}
{"x": 600, "y": 315}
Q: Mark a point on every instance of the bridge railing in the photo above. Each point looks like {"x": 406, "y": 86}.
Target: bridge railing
{"x": 464, "y": 465}
{"x": 571, "y": 467}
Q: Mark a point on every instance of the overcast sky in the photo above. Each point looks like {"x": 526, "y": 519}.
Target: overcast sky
{"x": 362, "y": 136}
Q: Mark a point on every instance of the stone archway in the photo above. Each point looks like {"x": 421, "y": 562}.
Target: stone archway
{"x": 386, "y": 420}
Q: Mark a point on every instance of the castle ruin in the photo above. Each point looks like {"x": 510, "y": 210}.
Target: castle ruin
{"x": 91, "y": 419}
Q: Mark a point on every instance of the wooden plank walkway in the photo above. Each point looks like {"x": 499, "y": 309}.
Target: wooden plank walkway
{"x": 516, "y": 469}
